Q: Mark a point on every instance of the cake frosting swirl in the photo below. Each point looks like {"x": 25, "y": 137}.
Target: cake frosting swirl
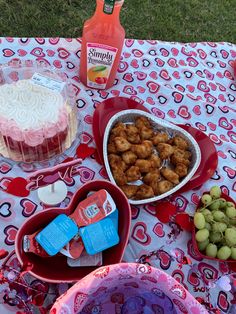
{"x": 31, "y": 113}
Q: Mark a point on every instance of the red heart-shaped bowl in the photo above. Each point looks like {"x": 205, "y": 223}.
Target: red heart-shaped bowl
{"x": 55, "y": 269}
{"x": 199, "y": 253}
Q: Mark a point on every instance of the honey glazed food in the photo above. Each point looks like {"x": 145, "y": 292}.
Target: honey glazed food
{"x": 144, "y": 162}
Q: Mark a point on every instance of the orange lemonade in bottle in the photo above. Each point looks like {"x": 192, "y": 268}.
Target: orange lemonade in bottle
{"x": 102, "y": 42}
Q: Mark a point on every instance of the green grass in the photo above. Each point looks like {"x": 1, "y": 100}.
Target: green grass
{"x": 168, "y": 20}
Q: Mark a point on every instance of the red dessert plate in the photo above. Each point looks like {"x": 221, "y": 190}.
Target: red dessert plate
{"x": 55, "y": 269}
{"x": 209, "y": 159}
{"x": 109, "y": 107}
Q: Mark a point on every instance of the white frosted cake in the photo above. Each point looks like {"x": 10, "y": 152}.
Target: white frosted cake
{"x": 33, "y": 119}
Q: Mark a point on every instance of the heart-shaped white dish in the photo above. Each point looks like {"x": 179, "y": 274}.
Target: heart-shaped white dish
{"x": 129, "y": 116}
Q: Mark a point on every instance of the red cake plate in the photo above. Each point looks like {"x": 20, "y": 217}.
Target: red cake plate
{"x": 209, "y": 156}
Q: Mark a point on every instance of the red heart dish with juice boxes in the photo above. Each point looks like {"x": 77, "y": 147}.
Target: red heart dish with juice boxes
{"x": 55, "y": 269}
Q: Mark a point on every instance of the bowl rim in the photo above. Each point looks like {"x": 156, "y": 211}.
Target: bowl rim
{"x": 161, "y": 122}
{"x": 66, "y": 210}
{"x": 136, "y": 273}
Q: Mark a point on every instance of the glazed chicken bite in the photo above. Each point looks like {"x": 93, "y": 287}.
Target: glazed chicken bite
{"x": 111, "y": 138}
{"x": 132, "y": 134}
{"x": 144, "y": 191}
{"x": 145, "y": 133}
{"x": 129, "y": 190}
{"x": 155, "y": 160}
{"x": 181, "y": 170}
{"x": 131, "y": 129}
{"x": 180, "y": 142}
{"x": 165, "y": 150}
{"x": 116, "y": 161}
{"x": 170, "y": 175}
{"x": 129, "y": 157}
{"x": 121, "y": 144}
{"x": 119, "y": 130}
{"x": 164, "y": 186}
{"x": 152, "y": 176}
{"x": 133, "y": 174}
{"x": 142, "y": 121}
{"x": 143, "y": 150}
{"x": 111, "y": 148}
{"x": 143, "y": 165}
{"x": 159, "y": 138}
{"x": 119, "y": 176}
{"x": 187, "y": 154}
{"x": 179, "y": 157}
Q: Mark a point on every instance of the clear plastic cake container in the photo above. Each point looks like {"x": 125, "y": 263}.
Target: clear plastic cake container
{"x": 38, "y": 113}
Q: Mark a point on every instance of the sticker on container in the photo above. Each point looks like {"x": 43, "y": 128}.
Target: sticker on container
{"x": 94, "y": 208}
{"x": 85, "y": 260}
{"x": 100, "y": 59}
{"x": 99, "y": 236}
{"x": 48, "y": 82}
{"x": 74, "y": 248}
{"x": 57, "y": 234}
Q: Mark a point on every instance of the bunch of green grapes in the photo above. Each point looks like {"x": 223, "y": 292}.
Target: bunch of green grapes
{"x": 216, "y": 224}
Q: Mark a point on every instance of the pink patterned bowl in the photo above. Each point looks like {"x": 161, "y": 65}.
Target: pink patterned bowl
{"x": 127, "y": 288}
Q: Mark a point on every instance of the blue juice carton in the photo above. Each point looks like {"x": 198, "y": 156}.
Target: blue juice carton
{"x": 99, "y": 236}
{"x": 57, "y": 234}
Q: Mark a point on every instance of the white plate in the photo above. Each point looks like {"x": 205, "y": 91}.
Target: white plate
{"x": 129, "y": 116}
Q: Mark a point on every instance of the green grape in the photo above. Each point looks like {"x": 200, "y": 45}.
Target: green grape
{"x": 219, "y": 227}
{"x": 207, "y": 226}
{"x": 228, "y": 243}
{"x": 222, "y": 203}
{"x": 215, "y": 205}
{"x": 222, "y": 243}
{"x": 230, "y": 204}
{"x": 233, "y": 253}
{"x": 224, "y": 252}
{"x": 208, "y": 215}
{"x": 230, "y": 235}
{"x": 211, "y": 250}
{"x": 206, "y": 199}
{"x": 230, "y": 212}
{"x": 233, "y": 221}
{"x": 199, "y": 220}
{"x": 206, "y": 212}
{"x": 209, "y": 218}
{"x": 215, "y": 192}
{"x": 218, "y": 215}
{"x": 202, "y": 235}
{"x": 202, "y": 245}
{"x": 227, "y": 221}
{"x": 215, "y": 237}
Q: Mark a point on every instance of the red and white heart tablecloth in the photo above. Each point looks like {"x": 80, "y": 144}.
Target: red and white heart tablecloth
{"x": 189, "y": 84}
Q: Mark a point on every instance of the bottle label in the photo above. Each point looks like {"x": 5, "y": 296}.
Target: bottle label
{"x": 100, "y": 59}
{"x": 108, "y": 6}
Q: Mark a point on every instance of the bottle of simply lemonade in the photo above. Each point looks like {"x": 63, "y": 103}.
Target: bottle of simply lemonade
{"x": 102, "y": 42}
